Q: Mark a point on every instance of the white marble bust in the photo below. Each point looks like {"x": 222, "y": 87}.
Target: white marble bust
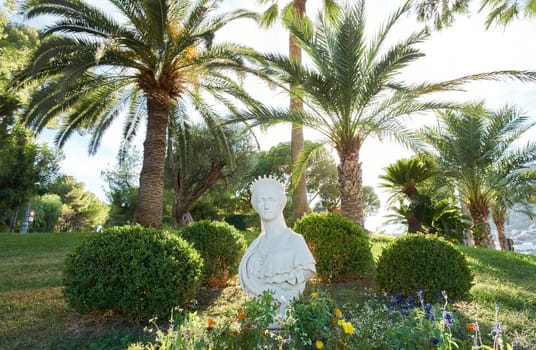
{"x": 278, "y": 259}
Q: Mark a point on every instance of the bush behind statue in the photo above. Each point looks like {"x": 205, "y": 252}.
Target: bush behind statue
{"x": 426, "y": 262}
{"x": 140, "y": 272}
{"x": 220, "y": 244}
{"x": 340, "y": 247}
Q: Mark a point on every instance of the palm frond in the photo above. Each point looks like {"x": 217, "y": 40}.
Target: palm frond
{"x": 308, "y": 154}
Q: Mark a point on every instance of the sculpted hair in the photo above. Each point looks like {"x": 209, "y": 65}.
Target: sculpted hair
{"x": 266, "y": 181}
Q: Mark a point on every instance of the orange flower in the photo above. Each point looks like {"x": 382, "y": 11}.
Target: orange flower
{"x": 471, "y": 327}
{"x": 241, "y": 315}
{"x": 338, "y": 313}
{"x": 211, "y": 323}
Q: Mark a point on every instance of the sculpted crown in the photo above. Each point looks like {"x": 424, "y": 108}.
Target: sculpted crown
{"x": 262, "y": 181}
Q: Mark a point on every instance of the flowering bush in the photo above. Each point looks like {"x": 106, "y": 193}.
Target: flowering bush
{"x": 426, "y": 326}
{"x": 315, "y": 322}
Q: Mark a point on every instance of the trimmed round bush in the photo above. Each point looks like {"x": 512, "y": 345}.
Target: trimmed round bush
{"x": 425, "y": 262}
{"x": 140, "y": 272}
{"x": 340, "y": 247}
{"x": 220, "y": 244}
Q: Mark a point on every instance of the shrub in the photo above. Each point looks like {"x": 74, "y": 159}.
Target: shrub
{"x": 243, "y": 222}
{"x": 139, "y": 271}
{"x": 221, "y": 246}
{"x": 429, "y": 263}
{"x": 340, "y": 247}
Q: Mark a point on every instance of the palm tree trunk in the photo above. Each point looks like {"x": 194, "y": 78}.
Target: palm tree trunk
{"x": 350, "y": 183}
{"x": 149, "y": 204}
{"x": 501, "y": 234}
{"x": 299, "y": 195}
{"x": 499, "y": 219}
{"x": 481, "y": 227}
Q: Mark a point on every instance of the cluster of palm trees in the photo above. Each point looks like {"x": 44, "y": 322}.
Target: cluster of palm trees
{"x": 157, "y": 62}
{"x": 477, "y": 155}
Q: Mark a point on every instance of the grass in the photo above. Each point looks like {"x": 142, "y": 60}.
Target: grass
{"x": 34, "y": 315}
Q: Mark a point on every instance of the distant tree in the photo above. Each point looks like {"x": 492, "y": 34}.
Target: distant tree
{"x": 17, "y": 42}
{"x": 47, "y": 213}
{"x": 322, "y": 175}
{"x": 322, "y": 183}
{"x": 370, "y": 200}
{"x": 123, "y": 182}
{"x": 81, "y": 210}
{"x": 198, "y": 158}
{"x": 25, "y": 169}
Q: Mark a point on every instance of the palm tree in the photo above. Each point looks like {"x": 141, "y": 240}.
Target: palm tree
{"x": 477, "y": 149}
{"x": 402, "y": 177}
{"x": 502, "y": 12}
{"x": 91, "y": 67}
{"x": 417, "y": 185}
{"x": 299, "y": 192}
{"x": 516, "y": 192}
{"x": 351, "y": 90}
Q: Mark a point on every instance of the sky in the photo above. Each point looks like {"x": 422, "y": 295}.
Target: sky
{"x": 465, "y": 48}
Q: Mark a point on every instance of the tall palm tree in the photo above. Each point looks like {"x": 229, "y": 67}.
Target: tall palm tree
{"x": 351, "y": 89}
{"x": 151, "y": 54}
{"x": 299, "y": 192}
{"x": 477, "y": 149}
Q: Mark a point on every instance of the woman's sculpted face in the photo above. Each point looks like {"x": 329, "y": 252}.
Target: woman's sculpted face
{"x": 268, "y": 199}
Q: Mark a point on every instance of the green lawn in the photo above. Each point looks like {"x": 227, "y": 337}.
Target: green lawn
{"x": 34, "y": 315}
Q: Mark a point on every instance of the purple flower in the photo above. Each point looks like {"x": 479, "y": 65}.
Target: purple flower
{"x": 434, "y": 340}
{"x": 428, "y": 312}
{"x": 448, "y": 318}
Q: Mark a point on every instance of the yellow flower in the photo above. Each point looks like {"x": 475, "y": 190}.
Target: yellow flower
{"x": 348, "y": 328}
{"x": 319, "y": 344}
{"x": 338, "y": 313}
{"x": 340, "y": 322}
{"x": 314, "y": 295}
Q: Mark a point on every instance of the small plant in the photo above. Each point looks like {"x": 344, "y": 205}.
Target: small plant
{"x": 141, "y": 272}
{"x": 428, "y": 263}
{"x": 221, "y": 246}
{"x": 310, "y": 319}
{"x": 422, "y": 325}
{"x": 340, "y": 247}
